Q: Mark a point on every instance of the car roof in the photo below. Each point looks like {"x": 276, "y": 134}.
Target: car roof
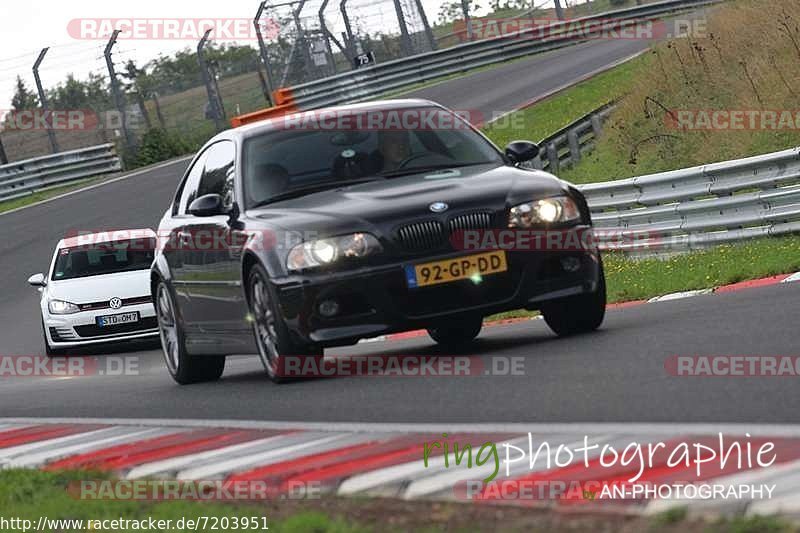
{"x": 263, "y": 126}
{"x": 102, "y": 237}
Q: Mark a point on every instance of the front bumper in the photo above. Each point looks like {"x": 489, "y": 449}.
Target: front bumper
{"x": 80, "y": 329}
{"x": 376, "y": 300}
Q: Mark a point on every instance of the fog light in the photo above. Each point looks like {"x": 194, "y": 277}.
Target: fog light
{"x": 328, "y": 308}
{"x": 571, "y": 264}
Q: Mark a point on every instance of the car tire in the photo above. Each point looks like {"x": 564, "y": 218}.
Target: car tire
{"x": 48, "y": 350}
{"x": 577, "y": 314}
{"x": 184, "y": 368}
{"x": 272, "y": 336}
{"x": 457, "y": 333}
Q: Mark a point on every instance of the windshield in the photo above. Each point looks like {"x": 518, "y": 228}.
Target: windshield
{"x": 312, "y": 152}
{"x": 104, "y": 258}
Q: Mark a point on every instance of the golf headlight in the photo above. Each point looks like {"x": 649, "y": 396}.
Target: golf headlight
{"x": 60, "y": 307}
{"x": 326, "y": 251}
{"x": 559, "y": 209}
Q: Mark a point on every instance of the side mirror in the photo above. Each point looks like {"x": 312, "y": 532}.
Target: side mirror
{"x": 521, "y": 151}
{"x": 37, "y": 280}
{"x": 208, "y": 205}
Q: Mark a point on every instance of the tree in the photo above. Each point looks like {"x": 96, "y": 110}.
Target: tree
{"x": 23, "y": 98}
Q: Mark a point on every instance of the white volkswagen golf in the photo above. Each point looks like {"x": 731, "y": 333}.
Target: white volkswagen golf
{"x": 98, "y": 290}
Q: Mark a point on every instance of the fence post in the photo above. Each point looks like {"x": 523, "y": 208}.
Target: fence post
{"x": 351, "y": 45}
{"x": 213, "y": 97}
{"x": 266, "y": 85}
{"x": 597, "y": 126}
{"x": 465, "y": 11}
{"x": 424, "y": 17}
{"x": 118, "y": 100}
{"x": 51, "y": 135}
{"x": 574, "y": 146}
{"x": 559, "y": 10}
{"x": 326, "y": 33}
{"x": 405, "y": 39}
{"x": 3, "y": 158}
{"x": 552, "y": 158}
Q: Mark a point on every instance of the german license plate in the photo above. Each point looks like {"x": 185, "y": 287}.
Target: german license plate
{"x": 458, "y": 268}
{"x": 115, "y": 320}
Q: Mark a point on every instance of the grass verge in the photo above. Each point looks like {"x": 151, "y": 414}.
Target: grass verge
{"x": 45, "y": 194}
{"x": 551, "y": 114}
{"x": 31, "y": 494}
{"x": 640, "y": 279}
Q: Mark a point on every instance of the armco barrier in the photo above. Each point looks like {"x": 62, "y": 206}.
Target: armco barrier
{"x": 22, "y": 178}
{"x": 384, "y": 78}
{"x": 700, "y": 206}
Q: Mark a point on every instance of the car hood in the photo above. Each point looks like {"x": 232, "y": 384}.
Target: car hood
{"x": 368, "y": 206}
{"x": 100, "y": 288}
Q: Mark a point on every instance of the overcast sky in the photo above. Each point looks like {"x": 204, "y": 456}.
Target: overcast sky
{"x": 28, "y": 26}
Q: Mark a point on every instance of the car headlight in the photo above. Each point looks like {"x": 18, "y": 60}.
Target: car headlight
{"x": 327, "y": 251}
{"x": 559, "y": 209}
{"x": 60, "y": 307}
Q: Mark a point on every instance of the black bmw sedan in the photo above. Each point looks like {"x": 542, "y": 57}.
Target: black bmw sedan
{"x": 322, "y": 228}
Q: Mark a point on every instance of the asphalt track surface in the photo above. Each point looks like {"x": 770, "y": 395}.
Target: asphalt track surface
{"x": 616, "y": 374}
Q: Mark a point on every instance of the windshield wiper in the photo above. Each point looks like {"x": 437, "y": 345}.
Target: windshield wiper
{"x": 302, "y": 191}
{"x": 419, "y": 170}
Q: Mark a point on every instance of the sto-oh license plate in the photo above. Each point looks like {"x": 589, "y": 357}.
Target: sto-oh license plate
{"x": 115, "y": 320}
{"x": 458, "y": 268}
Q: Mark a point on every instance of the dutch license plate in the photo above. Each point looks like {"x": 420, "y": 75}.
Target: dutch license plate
{"x": 115, "y": 320}
{"x": 455, "y": 269}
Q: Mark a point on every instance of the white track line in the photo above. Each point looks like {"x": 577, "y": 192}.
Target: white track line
{"x": 216, "y": 469}
{"x": 791, "y": 279}
{"x": 40, "y": 458}
{"x": 679, "y": 295}
{"x": 59, "y": 441}
{"x": 174, "y": 464}
{"x": 101, "y": 184}
{"x": 578, "y": 428}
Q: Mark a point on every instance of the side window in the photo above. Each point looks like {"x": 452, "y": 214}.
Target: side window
{"x": 219, "y": 172}
{"x": 188, "y": 190}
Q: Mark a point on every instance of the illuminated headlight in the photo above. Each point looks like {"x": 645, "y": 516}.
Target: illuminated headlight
{"x": 60, "y": 307}
{"x": 560, "y": 209}
{"x": 327, "y": 251}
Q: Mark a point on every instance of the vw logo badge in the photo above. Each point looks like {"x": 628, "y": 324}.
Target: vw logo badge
{"x": 115, "y": 303}
{"x": 438, "y": 207}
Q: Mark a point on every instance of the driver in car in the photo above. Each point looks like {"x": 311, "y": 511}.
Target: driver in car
{"x": 394, "y": 147}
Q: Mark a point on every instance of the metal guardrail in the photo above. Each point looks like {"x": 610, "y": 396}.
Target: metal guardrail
{"x": 384, "y": 78}
{"x": 22, "y": 178}
{"x": 694, "y": 208}
{"x": 566, "y": 146}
